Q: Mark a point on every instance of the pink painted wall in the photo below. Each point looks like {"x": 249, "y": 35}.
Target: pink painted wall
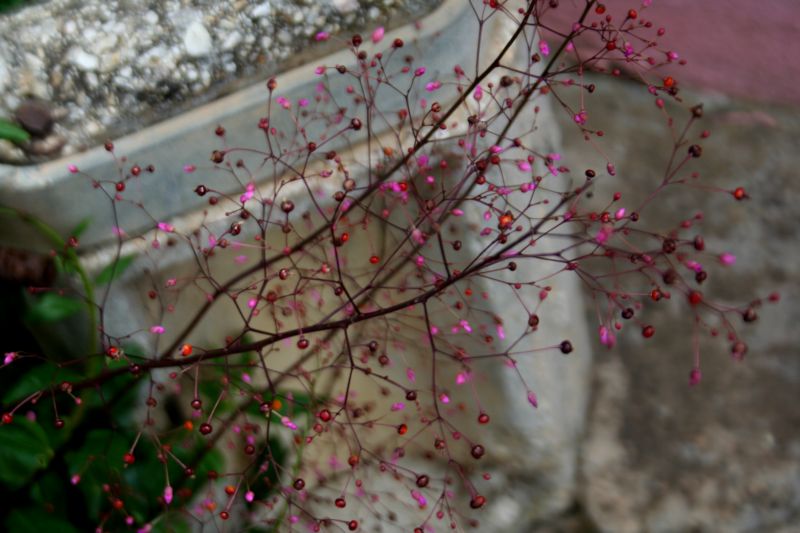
{"x": 744, "y": 48}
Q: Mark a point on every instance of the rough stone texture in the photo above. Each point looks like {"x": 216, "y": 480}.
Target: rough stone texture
{"x": 110, "y": 68}
{"x": 723, "y": 456}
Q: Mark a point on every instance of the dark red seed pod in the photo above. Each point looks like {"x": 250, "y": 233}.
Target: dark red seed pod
{"x": 477, "y": 501}
{"x": 477, "y": 451}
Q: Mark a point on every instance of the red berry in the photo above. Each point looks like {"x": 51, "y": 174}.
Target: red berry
{"x": 648, "y": 331}
{"x": 128, "y": 459}
{"x": 8, "y": 418}
{"x": 483, "y": 418}
{"x": 325, "y": 415}
{"x": 205, "y": 428}
{"x": 739, "y": 193}
{"x": 340, "y": 503}
{"x": 477, "y": 451}
{"x": 695, "y": 297}
{"x": 655, "y": 294}
{"x": 477, "y": 501}
{"x": 352, "y": 525}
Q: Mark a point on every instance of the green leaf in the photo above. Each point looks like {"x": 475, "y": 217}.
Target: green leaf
{"x": 51, "y": 307}
{"x": 33, "y": 520}
{"x": 48, "y": 491}
{"x": 23, "y": 450}
{"x": 37, "y": 379}
{"x": 98, "y": 459}
{"x": 172, "y": 522}
{"x": 114, "y": 270}
{"x": 12, "y": 132}
{"x": 78, "y": 230}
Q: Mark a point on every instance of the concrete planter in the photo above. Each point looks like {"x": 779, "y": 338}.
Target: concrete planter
{"x": 531, "y": 453}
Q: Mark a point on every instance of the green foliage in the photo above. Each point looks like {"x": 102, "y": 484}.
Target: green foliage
{"x": 32, "y": 520}
{"x": 173, "y": 522}
{"x": 24, "y": 449}
{"x": 39, "y": 378}
{"x": 51, "y": 307}
{"x": 114, "y": 270}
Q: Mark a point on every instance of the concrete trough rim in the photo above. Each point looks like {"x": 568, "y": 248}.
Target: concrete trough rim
{"x": 23, "y": 187}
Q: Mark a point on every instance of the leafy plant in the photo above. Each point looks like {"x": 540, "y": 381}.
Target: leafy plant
{"x": 12, "y": 132}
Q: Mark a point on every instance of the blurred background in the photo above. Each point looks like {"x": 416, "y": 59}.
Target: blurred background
{"x": 723, "y": 456}
{"x": 658, "y": 456}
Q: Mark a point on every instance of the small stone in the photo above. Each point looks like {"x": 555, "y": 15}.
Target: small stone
{"x": 50, "y": 145}
{"x": 104, "y": 44}
{"x": 232, "y": 41}
{"x": 35, "y": 117}
{"x": 82, "y": 59}
{"x": 4, "y": 77}
{"x": 345, "y": 6}
{"x": 262, "y": 10}
{"x": 10, "y": 153}
{"x": 197, "y": 40}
